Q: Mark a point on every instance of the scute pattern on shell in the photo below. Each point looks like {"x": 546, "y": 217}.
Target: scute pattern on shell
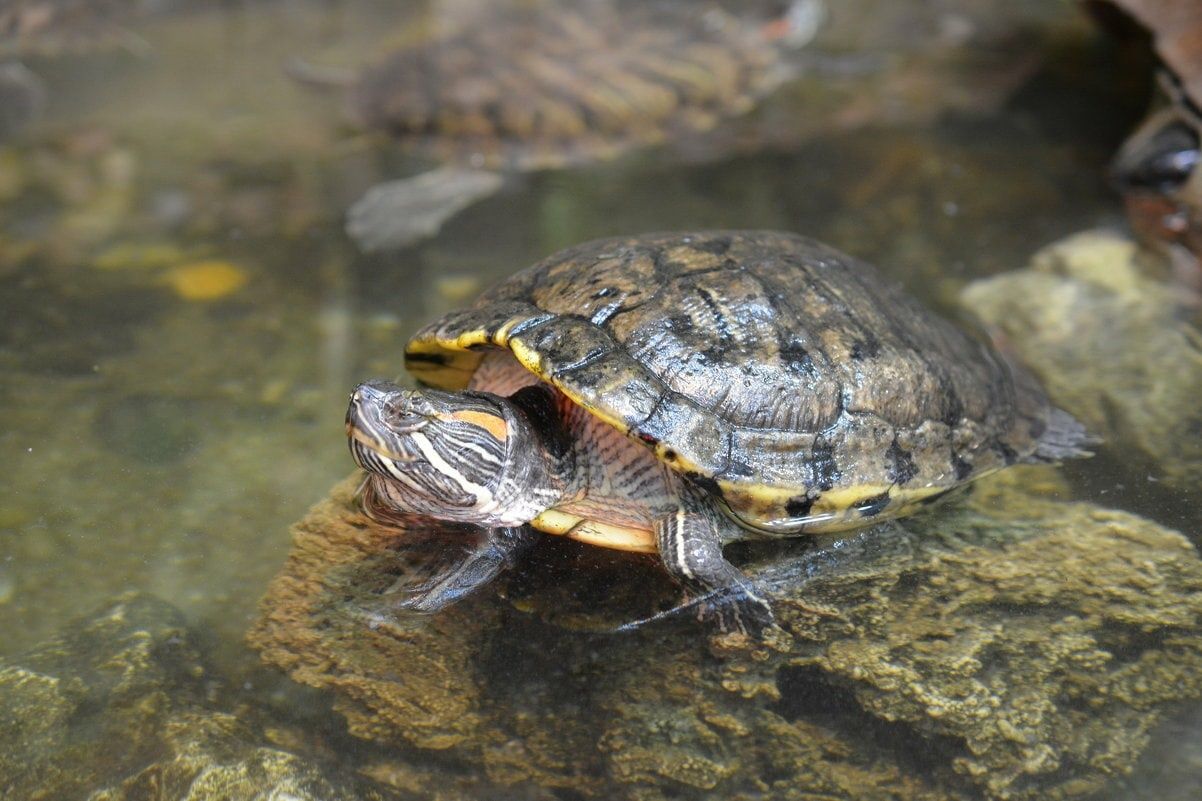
{"x": 792, "y": 379}
{"x": 530, "y": 85}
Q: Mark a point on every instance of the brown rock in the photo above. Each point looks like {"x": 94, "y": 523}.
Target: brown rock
{"x": 1108, "y": 344}
{"x": 1006, "y": 646}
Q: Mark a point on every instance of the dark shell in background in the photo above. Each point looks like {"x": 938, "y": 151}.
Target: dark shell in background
{"x": 530, "y": 85}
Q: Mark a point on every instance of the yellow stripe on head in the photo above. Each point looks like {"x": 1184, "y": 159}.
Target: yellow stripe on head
{"x": 489, "y": 422}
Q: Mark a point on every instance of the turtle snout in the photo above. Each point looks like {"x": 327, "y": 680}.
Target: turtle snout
{"x": 369, "y": 404}
{"x": 385, "y": 410}
{"x": 376, "y": 391}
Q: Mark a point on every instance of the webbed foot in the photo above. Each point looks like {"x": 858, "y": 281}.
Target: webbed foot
{"x": 446, "y": 572}
{"x": 738, "y": 610}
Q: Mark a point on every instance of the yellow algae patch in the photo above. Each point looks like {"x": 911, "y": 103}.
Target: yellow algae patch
{"x": 206, "y": 280}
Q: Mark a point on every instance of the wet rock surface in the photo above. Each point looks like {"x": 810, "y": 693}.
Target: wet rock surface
{"x": 1110, "y": 344}
{"x": 114, "y": 708}
{"x": 1006, "y": 645}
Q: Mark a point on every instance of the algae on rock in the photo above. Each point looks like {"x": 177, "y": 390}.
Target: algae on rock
{"x": 113, "y": 709}
{"x": 1109, "y": 344}
{"x": 1006, "y": 645}
{"x": 211, "y": 756}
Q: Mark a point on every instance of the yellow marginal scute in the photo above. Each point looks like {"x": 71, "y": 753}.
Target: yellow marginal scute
{"x": 453, "y": 371}
{"x": 526, "y": 356}
{"x": 458, "y": 360}
{"x": 458, "y": 363}
{"x": 762, "y": 507}
{"x": 555, "y": 522}
{"x": 592, "y": 532}
{"x": 529, "y": 359}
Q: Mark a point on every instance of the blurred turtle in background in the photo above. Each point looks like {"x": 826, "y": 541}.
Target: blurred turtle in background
{"x": 521, "y": 86}
{"x": 1157, "y": 169}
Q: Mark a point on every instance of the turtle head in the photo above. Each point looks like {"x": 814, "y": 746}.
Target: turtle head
{"x": 1163, "y": 157}
{"x": 1160, "y": 157}
{"x": 456, "y": 456}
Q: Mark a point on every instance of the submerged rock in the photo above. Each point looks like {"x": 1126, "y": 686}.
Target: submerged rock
{"x": 91, "y": 702}
{"x": 1007, "y": 645}
{"x": 117, "y": 701}
{"x": 1108, "y": 343}
{"x": 212, "y": 757}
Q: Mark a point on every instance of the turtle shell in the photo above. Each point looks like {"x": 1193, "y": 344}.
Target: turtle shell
{"x": 533, "y": 85}
{"x": 792, "y": 381}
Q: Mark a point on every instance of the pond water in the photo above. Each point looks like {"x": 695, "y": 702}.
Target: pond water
{"x": 182, "y": 315}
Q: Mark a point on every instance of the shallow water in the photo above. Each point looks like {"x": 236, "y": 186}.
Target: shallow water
{"x": 161, "y": 434}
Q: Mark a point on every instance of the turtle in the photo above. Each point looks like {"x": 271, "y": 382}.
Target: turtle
{"x": 513, "y": 87}
{"x": 672, "y": 393}
{"x": 1157, "y": 169}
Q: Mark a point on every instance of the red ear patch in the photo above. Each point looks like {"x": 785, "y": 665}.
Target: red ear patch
{"x": 489, "y": 422}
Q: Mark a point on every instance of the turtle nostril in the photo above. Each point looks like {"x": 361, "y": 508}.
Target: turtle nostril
{"x": 375, "y": 391}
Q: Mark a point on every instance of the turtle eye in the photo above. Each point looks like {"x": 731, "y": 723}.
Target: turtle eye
{"x": 1162, "y": 162}
{"x": 405, "y": 422}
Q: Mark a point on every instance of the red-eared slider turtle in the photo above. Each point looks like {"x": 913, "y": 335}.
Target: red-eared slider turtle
{"x": 518, "y": 86}
{"x": 1157, "y": 168}
{"x": 1158, "y": 171}
{"x": 672, "y": 393}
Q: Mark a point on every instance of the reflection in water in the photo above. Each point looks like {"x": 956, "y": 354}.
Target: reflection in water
{"x": 161, "y": 438}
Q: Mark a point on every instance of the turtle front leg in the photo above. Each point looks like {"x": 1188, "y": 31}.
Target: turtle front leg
{"x": 459, "y": 572}
{"x": 691, "y": 551}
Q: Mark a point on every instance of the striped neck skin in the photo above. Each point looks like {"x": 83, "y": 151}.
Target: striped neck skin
{"x": 468, "y": 457}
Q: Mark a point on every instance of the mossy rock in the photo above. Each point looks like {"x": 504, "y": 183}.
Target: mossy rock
{"x": 1004, "y": 645}
{"x": 1111, "y": 344}
{"x": 114, "y": 709}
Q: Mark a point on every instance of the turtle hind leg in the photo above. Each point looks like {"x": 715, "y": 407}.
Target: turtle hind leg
{"x": 396, "y": 214}
{"x": 1064, "y": 438}
{"x": 691, "y": 551}
{"x": 456, "y": 572}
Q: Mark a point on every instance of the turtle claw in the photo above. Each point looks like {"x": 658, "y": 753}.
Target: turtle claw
{"x": 739, "y": 611}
